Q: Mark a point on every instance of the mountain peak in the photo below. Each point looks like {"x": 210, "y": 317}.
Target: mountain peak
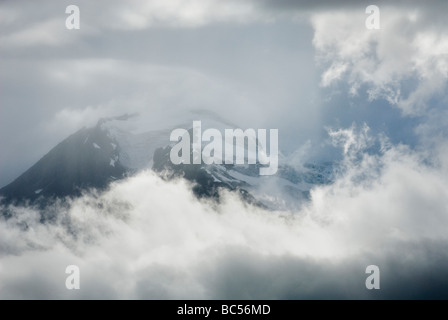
{"x": 123, "y": 117}
{"x": 116, "y": 148}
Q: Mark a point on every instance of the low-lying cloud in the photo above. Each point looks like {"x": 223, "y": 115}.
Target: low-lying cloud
{"x": 150, "y": 238}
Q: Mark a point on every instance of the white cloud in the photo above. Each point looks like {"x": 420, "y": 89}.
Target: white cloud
{"x": 148, "y": 238}
{"x": 153, "y": 239}
{"x": 409, "y": 47}
{"x": 49, "y": 32}
{"x": 333, "y": 74}
{"x": 141, "y": 14}
{"x": 162, "y": 95}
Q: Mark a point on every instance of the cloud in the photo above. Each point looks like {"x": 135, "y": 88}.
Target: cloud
{"x": 411, "y": 47}
{"x": 46, "y": 33}
{"x": 149, "y": 238}
{"x": 47, "y": 26}
{"x": 152, "y": 91}
{"x": 146, "y": 238}
{"x": 192, "y": 13}
{"x": 49, "y": 94}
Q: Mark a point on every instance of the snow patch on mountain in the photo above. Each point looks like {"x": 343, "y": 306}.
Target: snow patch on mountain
{"x": 122, "y": 147}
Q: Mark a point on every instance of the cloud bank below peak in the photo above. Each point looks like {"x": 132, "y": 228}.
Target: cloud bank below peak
{"x": 149, "y": 238}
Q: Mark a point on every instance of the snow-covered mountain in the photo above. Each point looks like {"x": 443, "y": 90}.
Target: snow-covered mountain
{"x": 121, "y": 146}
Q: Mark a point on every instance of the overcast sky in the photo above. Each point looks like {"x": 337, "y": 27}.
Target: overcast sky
{"x": 309, "y": 68}
{"x": 292, "y": 65}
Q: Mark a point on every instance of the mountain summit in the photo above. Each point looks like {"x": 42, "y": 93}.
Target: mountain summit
{"x": 86, "y": 159}
{"x": 119, "y": 147}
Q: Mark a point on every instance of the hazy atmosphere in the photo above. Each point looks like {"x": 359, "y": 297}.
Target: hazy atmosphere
{"x": 362, "y": 123}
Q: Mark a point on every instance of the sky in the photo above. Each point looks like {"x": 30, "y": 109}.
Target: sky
{"x": 373, "y": 99}
{"x": 291, "y": 65}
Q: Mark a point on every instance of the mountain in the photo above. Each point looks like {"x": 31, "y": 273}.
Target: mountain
{"x": 86, "y": 159}
{"x": 122, "y": 146}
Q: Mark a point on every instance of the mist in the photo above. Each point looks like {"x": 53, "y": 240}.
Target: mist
{"x": 147, "y": 238}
